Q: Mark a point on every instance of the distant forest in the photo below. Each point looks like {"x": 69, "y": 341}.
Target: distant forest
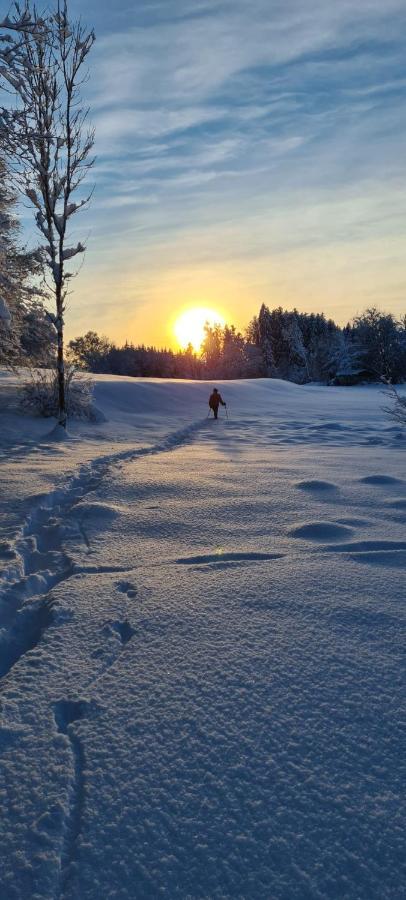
{"x": 295, "y": 346}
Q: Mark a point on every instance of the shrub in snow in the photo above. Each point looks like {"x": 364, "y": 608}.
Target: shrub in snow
{"x": 397, "y": 409}
{"x": 41, "y": 395}
{"x": 90, "y": 352}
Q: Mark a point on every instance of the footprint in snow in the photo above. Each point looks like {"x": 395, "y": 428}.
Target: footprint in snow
{"x": 68, "y": 711}
{"x": 121, "y": 629}
{"x": 128, "y": 588}
{"x": 116, "y": 634}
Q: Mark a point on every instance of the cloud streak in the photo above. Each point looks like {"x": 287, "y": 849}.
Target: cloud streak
{"x": 229, "y": 130}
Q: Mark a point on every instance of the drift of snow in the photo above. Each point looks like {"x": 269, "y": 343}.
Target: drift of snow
{"x": 202, "y": 635}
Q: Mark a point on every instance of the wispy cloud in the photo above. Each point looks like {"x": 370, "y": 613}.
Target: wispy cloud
{"x": 230, "y": 130}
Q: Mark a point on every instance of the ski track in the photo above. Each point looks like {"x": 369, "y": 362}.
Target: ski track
{"x": 26, "y": 608}
{"x": 27, "y": 576}
{"x": 40, "y": 563}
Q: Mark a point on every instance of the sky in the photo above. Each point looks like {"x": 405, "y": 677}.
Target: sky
{"x": 247, "y": 153}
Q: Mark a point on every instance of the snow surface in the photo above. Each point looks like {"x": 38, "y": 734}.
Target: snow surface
{"x": 202, "y": 646}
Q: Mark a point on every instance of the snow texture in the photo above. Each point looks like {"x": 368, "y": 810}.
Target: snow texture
{"x": 202, "y": 635}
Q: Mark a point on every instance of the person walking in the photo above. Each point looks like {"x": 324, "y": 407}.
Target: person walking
{"x": 214, "y": 402}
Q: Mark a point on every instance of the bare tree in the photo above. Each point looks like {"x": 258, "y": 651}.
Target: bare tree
{"x": 47, "y": 139}
{"x": 397, "y": 410}
{"x": 22, "y": 21}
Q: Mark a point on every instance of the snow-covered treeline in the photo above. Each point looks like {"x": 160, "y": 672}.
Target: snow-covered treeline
{"x": 295, "y": 346}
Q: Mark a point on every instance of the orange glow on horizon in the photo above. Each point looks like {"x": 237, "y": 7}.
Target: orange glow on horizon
{"x": 188, "y": 328}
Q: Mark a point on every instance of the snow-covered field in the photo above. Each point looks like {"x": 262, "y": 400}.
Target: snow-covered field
{"x": 202, "y": 646}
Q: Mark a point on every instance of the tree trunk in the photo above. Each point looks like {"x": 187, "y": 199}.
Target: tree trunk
{"x": 60, "y": 365}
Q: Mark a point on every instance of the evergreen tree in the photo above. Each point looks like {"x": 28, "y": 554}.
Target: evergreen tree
{"x": 277, "y": 343}
{"x": 212, "y": 350}
{"x": 299, "y": 369}
{"x": 233, "y": 363}
{"x": 265, "y": 341}
{"x": 90, "y": 352}
{"x": 345, "y": 354}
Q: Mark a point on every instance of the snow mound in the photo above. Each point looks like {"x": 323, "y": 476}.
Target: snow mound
{"x": 320, "y": 531}
{"x": 101, "y": 510}
{"x": 368, "y": 546}
{"x": 376, "y": 553}
{"x": 393, "y": 558}
{"x": 380, "y": 480}
{"x": 355, "y": 523}
{"x": 317, "y": 485}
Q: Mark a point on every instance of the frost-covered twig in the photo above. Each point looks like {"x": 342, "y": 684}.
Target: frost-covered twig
{"x": 40, "y": 394}
{"x": 23, "y": 21}
{"x": 397, "y": 409}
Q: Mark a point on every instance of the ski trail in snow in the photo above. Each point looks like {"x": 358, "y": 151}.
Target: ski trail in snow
{"x": 40, "y": 560}
{"x": 26, "y": 608}
{"x": 25, "y": 634}
{"x": 35, "y": 569}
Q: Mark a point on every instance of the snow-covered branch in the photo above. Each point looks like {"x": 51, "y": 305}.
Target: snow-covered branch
{"x": 46, "y": 134}
{"x": 397, "y": 408}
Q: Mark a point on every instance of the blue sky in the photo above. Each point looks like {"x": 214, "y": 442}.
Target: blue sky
{"x": 246, "y": 153}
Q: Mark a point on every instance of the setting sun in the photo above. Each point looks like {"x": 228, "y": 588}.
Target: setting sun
{"x": 189, "y": 326}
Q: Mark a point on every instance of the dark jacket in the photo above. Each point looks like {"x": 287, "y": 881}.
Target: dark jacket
{"x": 215, "y": 400}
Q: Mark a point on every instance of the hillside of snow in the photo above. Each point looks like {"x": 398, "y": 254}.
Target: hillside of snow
{"x": 202, "y": 645}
